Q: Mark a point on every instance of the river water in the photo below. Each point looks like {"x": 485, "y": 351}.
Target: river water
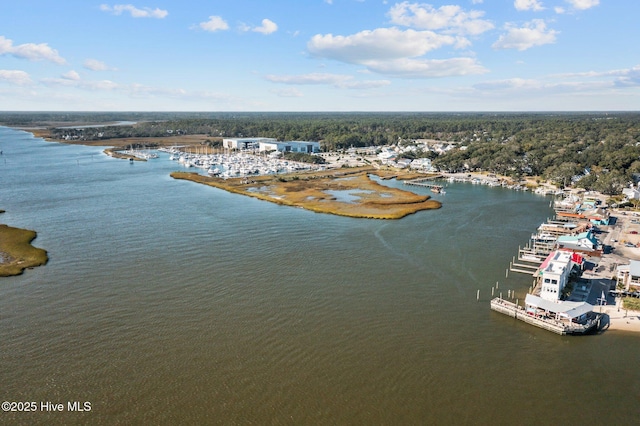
{"x": 165, "y": 302}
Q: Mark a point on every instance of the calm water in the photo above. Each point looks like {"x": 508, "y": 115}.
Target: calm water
{"x": 169, "y": 302}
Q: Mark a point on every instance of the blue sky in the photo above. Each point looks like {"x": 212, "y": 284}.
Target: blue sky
{"x": 320, "y": 55}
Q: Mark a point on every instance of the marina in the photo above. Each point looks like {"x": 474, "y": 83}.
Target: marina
{"x": 241, "y": 164}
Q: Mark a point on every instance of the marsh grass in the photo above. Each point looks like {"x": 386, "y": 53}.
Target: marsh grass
{"x": 117, "y": 153}
{"x": 310, "y": 191}
{"x": 16, "y": 251}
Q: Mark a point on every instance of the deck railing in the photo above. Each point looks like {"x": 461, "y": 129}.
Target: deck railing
{"x": 559, "y": 327}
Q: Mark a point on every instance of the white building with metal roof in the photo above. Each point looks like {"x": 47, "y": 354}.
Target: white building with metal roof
{"x": 307, "y": 147}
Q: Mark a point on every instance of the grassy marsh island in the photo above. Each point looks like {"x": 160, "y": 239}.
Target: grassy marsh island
{"x": 16, "y": 251}
{"x": 350, "y": 193}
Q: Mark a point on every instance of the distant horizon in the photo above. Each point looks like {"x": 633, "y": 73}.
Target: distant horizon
{"x": 320, "y": 56}
{"x": 317, "y": 112}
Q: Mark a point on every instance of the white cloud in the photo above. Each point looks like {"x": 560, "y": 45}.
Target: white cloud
{"x": 528, "y": 87}
{"x": 267, "y": 27}
{"x": 379, "y": 44}
{"x": 81, "y": 84}
{"x": 591, "y": 74}
{"x": 427, "y": 68}
{"x": 559, "y": 10}
{"x": 134, "y": 90}
{"x": 30, "y": 51}
{"x": 336, "y": 80}
{"x": 583, "y": 4}
{"x": 630, "y": 78}
{"x": 449, "y": 19}
{"x": 17, "y": 77}
{"x": 394, "y": 52}
{"x": 510, "y": 84}
{"x": 146, "y": 12}
{"x": 534, "y": 33}
{"x": 215, "y": 23}
{"x": 71, "y": 75}
{"x": 95, "y": 65}
{"x": 588, "y": 83}
{"x": 624, "y": 77}
{"x": 522, "y": 5}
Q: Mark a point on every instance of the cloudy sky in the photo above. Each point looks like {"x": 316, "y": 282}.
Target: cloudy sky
{"x": 320, "y": 55}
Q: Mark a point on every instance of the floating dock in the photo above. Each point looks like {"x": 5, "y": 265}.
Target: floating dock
{"x": 559, "y": 327}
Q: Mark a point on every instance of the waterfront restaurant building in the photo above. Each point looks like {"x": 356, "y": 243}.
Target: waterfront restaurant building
{"x": 559, "y": 311}
{"x": 555, "y": 272}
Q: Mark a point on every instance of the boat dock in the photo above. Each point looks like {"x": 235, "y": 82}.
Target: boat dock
{"x": 529, "y": 263}
{"x": 559, "y": 327}
{"x": 425, "y": 182}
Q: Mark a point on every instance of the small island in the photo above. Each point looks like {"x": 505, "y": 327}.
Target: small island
{"x": 16, "y": 251}
{"x": 345, "y": 192}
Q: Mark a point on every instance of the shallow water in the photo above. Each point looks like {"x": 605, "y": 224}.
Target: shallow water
{"x": 165, "y": 301}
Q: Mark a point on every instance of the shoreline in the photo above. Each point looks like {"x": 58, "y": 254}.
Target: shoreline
{"x": 619, "y": 319}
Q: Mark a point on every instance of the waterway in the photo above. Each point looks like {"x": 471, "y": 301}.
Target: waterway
{"x": 168, "y": 302}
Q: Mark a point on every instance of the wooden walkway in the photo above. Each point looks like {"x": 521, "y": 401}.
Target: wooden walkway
{"x": 425, "y": 183}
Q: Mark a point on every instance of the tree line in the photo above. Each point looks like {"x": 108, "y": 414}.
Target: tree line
{"x": 599, "y": 151}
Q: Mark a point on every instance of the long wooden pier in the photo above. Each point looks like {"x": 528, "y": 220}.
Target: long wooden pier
{"x": 563, "y": 328}
{"x": 422, "y": 182}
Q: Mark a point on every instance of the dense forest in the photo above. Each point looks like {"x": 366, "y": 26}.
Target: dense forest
{"x": 599, "y": 151}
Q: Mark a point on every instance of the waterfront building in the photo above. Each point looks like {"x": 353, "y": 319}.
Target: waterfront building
{"x": 629, "y": 275}
{"x": 307, "y": 147}
{"x": 555, "y": 272}
{"x": 245, "y": 143}
{"x": 584, "y": 241}
{"x": 271, "y": 144}
{"x": 422, "y": 164}
{"x": 557, "y": 311}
